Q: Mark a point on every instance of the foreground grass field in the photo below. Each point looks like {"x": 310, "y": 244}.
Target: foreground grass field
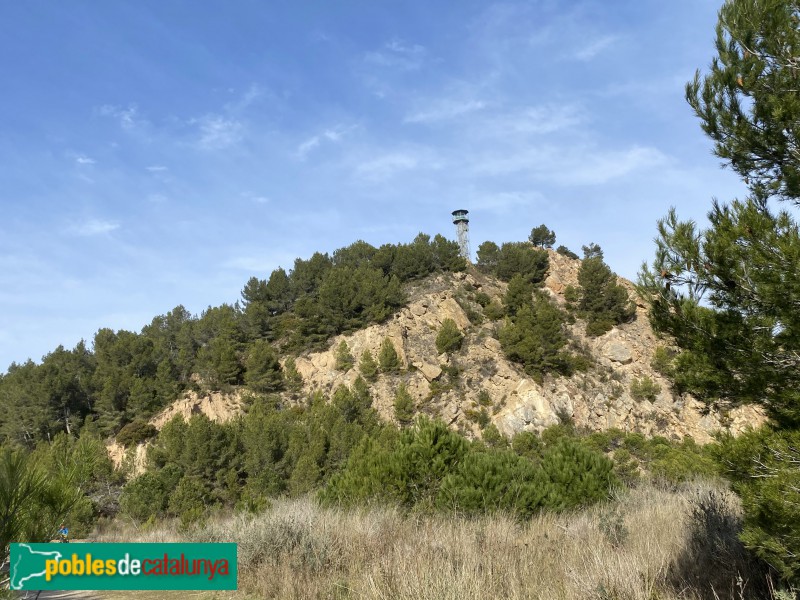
{"x": 646, "y": 543}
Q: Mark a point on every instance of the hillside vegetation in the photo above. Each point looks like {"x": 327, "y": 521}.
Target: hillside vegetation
{"x": 403, "y": 424}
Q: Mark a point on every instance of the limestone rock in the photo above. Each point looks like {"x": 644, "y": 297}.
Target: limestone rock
{"x": 430, "y": 372}
{"x": 618, "y": 352}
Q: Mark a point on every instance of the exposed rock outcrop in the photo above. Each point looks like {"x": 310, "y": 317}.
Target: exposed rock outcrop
{"x": 597, "y": 399}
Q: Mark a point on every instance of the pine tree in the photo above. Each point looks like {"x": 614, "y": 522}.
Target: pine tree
{"x": 403, "y": 406}
{"x": 487, "y": 482}
{"x": 488, "y": 255}
{"x": 542, "y": 236}
{"x": 387, "y": 357}
{"x": 518, "y": 294}
{"x": 577, "y": 475}
{"x": 292, "y": 379}
{"x": 264, "y": 373}
{"x": 368, "y": 367}
{"x": 344, "y": 360}
{"x": 603, "y": 302}
{"x": 536, "y": 338}
{"x": 728, "y": 295}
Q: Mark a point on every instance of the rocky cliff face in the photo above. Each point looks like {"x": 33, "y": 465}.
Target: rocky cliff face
{"x": 597, "y": 399}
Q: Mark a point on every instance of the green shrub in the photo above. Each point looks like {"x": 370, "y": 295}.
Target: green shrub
{"x": 645, "y": 389}
{"x": 147, "y": 496}
{"x": 519, "y": 293}
{"x": 449, "y": 338}
{"x": 528, "y": 445}
{"x": 483, "y": 299}
{"x": 487, "y": 482}
{"x": 410, "y": 474}
{"x": 563, "y": 250}
{"x": 136, "y": 432}
{"x": 492, "y": 437}
{"x": 662, "y": 361}
{"x": 577, "y": 474}
{"x": 536, "y": 338}
{"x": 494, "y": 311}
{"x": 481, "y": 417}
{"x": 603, "y": 302}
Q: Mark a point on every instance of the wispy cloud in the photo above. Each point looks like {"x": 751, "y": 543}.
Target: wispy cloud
{"x": 250, "y": 96}
{"x": 84, "y": 160}
{"x": 390, "y": 164}
{"x": 603, "y": 166}
{"x": 568, "y": 165}
{"x": 502, "y": 202}
{"x": 546, "y": 118}
{"x": 334, "y": 134}
{"x": 397, "y": 54}
{"x": 128, "y": 117}
{"x": 256, "y": 198}
{"x": 93, "y": 227}
{"x": 156, "y": 168}
{"x": 595, "y": 47}
{"x": 217, "y": 132}
{"x": 445, "y": 110}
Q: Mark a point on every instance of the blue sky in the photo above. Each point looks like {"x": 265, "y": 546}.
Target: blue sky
{"x": 162, "y": 153}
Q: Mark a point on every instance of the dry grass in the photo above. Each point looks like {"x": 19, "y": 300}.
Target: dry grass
{"x": 646, "y": 544}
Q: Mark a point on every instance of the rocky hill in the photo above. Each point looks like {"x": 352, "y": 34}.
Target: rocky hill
{"x": 448, "y": 387}
{"x": 597, "y": 399}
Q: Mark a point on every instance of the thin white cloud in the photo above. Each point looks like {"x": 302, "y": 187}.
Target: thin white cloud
{"x": 156, "y": 168}
{"x": 445, "y": 110}
{"x": 250, "y": 96}
{"x": 257, "y": 198}
{"x": 547, "y": 118}
{"x": 307, "y": 146}
{"x": 334, "y": 135}
{"x": 93, "y": 227}
{"x": 601, "y": 167}
{"x": 397, "y": 54}
{"x": 84, "y": 160}
{"x": 386, "y": 166}
{"x": 217, "y": 132}
{"x": 128, "y": 117}
{"x": 503, "y": 202}
{"x": 568, "y": 165}
{"x": 594, "y": 48}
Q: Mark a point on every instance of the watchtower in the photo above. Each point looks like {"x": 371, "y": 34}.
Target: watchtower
{"x": 461, "y": 221}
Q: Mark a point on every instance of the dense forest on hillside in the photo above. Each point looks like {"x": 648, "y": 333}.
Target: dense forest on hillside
{"x": 114, "y": 385}
{"x": 124, "y": 376}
